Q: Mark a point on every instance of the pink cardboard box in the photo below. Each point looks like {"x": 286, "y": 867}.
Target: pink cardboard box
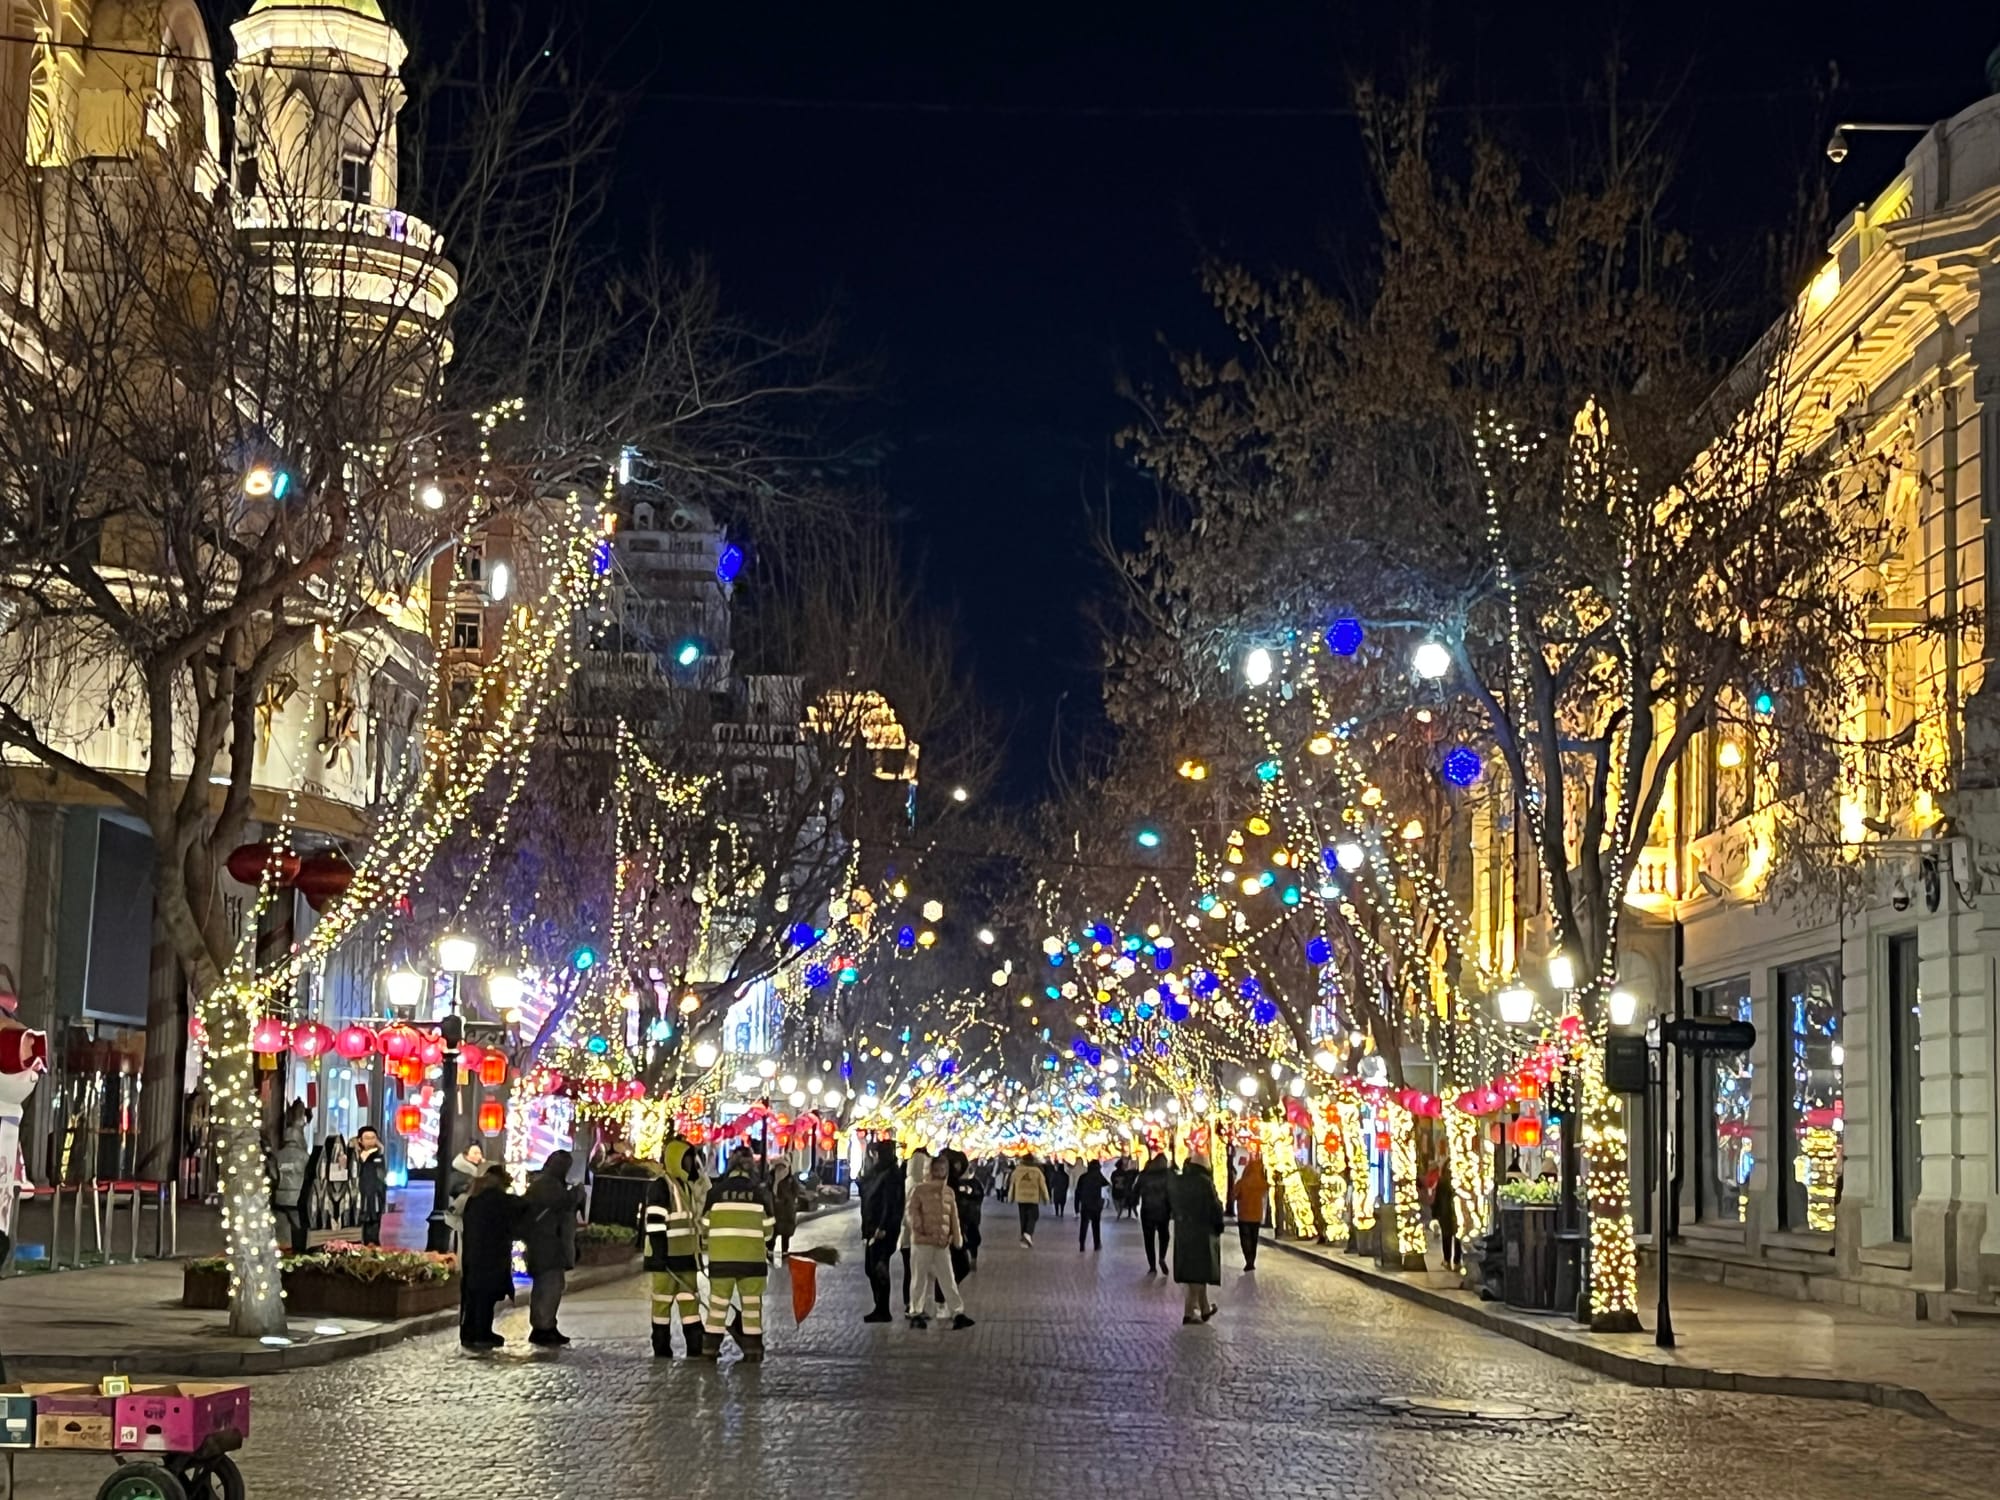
{"x": 179, "y": 1418}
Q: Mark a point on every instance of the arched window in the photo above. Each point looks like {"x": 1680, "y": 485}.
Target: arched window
{"x": 360, "y": 143}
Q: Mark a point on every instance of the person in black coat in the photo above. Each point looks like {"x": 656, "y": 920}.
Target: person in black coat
{"x": 971, "y": 1195}
{"x": 486, "y": 1257}
{"x": 1125, "y": 1187}
{"x": 881, "y": 1223}
{"x": 552, "y": 1203}
{"x": 1197, "y": 1211}
{"x": 371, "y": 1175}
{"x": 1090, "y": 1190}
{"x": 1156, "y": 1212}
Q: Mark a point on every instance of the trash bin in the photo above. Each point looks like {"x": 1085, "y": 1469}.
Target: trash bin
{"x": 1528, "y": 1232}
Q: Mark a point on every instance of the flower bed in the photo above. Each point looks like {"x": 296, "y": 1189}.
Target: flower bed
{"x": 342, "y": 1280}
{"x": 605, "y": 1244}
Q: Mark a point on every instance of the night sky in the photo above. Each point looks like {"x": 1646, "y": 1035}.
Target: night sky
{"x": 1008, "y": 206}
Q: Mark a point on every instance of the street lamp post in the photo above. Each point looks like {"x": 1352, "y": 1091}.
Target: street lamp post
{"x": 455, "y": 956}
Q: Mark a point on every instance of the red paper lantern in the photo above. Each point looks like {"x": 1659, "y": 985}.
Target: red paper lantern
{"x": 492, "y": 1117}
{"x": 1527, "y": 1131}
{"x": 270, "y": 1036}
{"x": 311, "y": 1040}
{"x": 323, "y": 878}
{"x": 636, "y": 1089}
{"x": 247, "y": 862}
{"x": 408, "y": 1118}
{"x": 354, "y": 1042}
{"x": 431, "y": 1050}
{"x": 469, "y": 1054}
{"x": 493, "y": 1069}
{"x": 400, "y": 1043}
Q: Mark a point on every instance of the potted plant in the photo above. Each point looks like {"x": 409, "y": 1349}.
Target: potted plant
{"x": 341, "y": 1280}
{"x": 1528, "y": 1222}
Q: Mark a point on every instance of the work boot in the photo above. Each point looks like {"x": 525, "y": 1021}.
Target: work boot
{"x": 736, "y": 1333}
{"x": 696, "y": 1340}
{"x": 663, "y": 1341}
{"x": 753, "y": 1348}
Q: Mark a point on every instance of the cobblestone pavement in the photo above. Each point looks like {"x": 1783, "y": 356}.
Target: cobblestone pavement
{"x": 1079, "y": 1380}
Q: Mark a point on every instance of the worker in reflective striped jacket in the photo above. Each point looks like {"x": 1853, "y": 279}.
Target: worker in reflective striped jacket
{"x": 738, "y": 1225}
{"x": 673, "y": 1249}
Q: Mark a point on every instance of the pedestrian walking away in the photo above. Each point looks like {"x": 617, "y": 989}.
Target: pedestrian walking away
{"x": 371, "y": 1176}
{"x": 882, "y": 1203}
{"x": 1125, "y": 1187}
{"x": 1153, "y": 1193}
{"x": 787, "y": 1198}
{"x": 1091, "y": 1189}
{"x": 1253, "y": 1192}
{"x": 486, "y": 1257}
{"x": 1058, "y": 1176}
{"x": 971, "y": 1195}
{"x": 1030, "y": 1190}
{"x": 1444, "y": 1209}
{"x": 1197, "y": 1217}
{"x": 931, "y": 1230}
{"x": 550, "y": 1207}
{"x": 919, "y": 1173}
{"x": 673, "y": 1249}
{"x": 286, "y": 1169}
{"x": 739, "y": 1225}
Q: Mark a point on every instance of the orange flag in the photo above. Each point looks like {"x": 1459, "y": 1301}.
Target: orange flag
{"x": 805, "y": 1285}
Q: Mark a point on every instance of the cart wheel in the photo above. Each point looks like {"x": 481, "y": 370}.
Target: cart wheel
{"x": 215, "y": 1478}
{"x": 141, "y": 1482}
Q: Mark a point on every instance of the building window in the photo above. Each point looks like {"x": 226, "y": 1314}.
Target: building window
{"x": 1722, "y": 1092}
{"x": 356, "y": 179}
{"x": 246, "y": 176}
{"x": 1905, "y": 1081}
{"x": 1809, "y": 1134}
{"x": 465, "y": 630}
{"x": 472, "y": 562}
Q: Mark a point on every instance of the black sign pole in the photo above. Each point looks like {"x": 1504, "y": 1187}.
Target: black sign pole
{"x": 1663, "y": 1333}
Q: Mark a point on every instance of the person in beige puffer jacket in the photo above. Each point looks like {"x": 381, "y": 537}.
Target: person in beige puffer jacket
{"x": 931, "y": 1231}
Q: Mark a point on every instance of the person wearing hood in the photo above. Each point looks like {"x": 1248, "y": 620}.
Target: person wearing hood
{"x": 1029, "y": 1190}
{"x": 971, "y": 1195}
{"x": 738, "y": 1224}
{"x": 486, "y": 1257}
{"x": 1090, "y": 1190}
{"x": 1153, "y": 1193}
{"x": 882, "y": 1207}
{"x": 1253, "y": 1191}
{"x": 466, "y": 1168}
{"x": 1197, "y": 1211}
{"x": 673, "y": 1249}
{"x": 787, "y": 1198}
{"x": 916, "y": 1176}
{"x": 1125, "y": 1187}
{"x": 932, "y": 1231}
{"x": 287, "y": 1169}
{"x": 551, "y": 1205}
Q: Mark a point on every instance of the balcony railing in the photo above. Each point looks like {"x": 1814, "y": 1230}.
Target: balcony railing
{"x": 339, "y": 216}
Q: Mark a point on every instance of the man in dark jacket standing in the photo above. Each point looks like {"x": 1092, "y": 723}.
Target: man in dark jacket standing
{"x": 1090, "y": 1190}
{"x": 971, "y": 1195}
{"x": 881, "y": 1223}
{"x": 1156, "y": 1213}
{"x": 550, "y": 1207}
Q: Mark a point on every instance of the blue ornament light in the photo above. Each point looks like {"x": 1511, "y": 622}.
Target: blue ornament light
{"x": 1267, "y": 770}
{"x": 1163, "y": 959}
{"x": 1343, "y": 637}
{"x": 1101, "y": 934}
{"x": 816, "y": 976}
{"x": 906, "y": 938}
{"x": 1318, "y": 950}
{"x": 1462, "y": 765}
{"x": 728, "y": 563}
{"x": 1178, "y": 1011}
{"x": 802, "y": 935}
{"x": 597, "y": 1046}
{"x": 1766, "y": 703}
{"x": 1250, "y": 989}
{"x": 1290, "y": 895}
{"x": 948, "y": 1067}
{"x": 1264, "y": 1012}
{"x": 1206, "y": 984}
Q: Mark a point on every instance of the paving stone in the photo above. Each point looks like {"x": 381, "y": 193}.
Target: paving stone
{"x": 1079, "y": 1380}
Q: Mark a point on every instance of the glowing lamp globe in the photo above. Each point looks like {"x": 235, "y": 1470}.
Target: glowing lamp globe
{"x": 766, "y": 1068}
{"x": 1349, "y": 855}
{"x": 1516, "y": 1004}
{"x": 504, "y": 990}
{"x": 705, "y": 1054}
{"x": 1247, "y": 1086}
{"x": 456, "y": 954}
{"x": 1431, "y": 660}
{"x": 1562, "y": 970}
{"x": 1257, "y": 667}
{"x": 789, "y": 1084}
{"x": 1326, "y": 1060}
{"x": 405, "y": 988}
{"x": 270, "y": 1036}
{"x": 1621, "y": 1005}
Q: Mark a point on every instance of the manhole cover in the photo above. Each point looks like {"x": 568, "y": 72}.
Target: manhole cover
{"x": 1470, "y": 1411}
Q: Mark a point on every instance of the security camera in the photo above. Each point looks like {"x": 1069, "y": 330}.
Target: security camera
{"x": 1899, "y": 894}
{"x": 1836, "y": 146}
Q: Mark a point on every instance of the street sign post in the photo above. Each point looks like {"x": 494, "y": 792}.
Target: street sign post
{"x": 1703, "y": 1036}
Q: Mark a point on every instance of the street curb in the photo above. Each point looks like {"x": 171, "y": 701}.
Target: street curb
{"x": 1632, "y": 1369}
{"x": 232, "y": 1362}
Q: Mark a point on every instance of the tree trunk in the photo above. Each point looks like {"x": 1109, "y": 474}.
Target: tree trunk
{"x": 1614, "y": 1257}
{"x": 1471, "y": 1171}
{"x": 256, "y": 1295}
{"x": 161, "y": 1102}
{"x": 1411, "y": 1245}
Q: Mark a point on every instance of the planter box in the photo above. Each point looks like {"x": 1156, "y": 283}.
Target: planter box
{"x": 604, "y": 1252}
{"x": 324, "y": 1294}
{"x": 1528, "y": 1239}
